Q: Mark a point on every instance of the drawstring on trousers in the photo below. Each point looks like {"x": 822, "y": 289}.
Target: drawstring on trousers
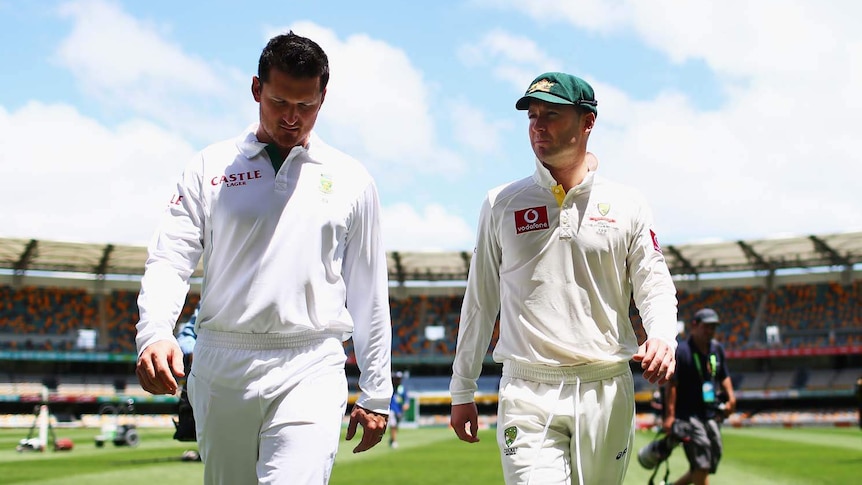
{"x": 577, "y": 433}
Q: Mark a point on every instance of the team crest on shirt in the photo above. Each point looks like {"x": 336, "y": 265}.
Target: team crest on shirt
{"x": 326, "y": 183}
{"x": 509, "y": 435}
{"x": 604, "y": 208}
{"x": 601, "y": 222}
{"x": 532, "y": 219}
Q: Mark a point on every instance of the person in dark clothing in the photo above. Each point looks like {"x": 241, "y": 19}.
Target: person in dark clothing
{"x": 700, "y": 394}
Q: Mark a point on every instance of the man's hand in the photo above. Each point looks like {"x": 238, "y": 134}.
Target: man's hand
{"x": 462, "y": 414}
{"x": 657, "y": 360}
{"x": 157, "y": 366}
{"x": 373, "y": 427}
{"x": 667, "y": 424}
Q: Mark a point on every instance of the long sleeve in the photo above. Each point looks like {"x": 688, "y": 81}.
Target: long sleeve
{"x": 652, "y": 284}
{"x": 173, "y": 255}
{"x": 479, "y": 310}
{"x": 367, "y": 287}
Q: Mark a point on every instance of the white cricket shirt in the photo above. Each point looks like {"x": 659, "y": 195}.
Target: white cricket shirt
{"x": 561, "y": 268}
{"x": 294, "y": 252}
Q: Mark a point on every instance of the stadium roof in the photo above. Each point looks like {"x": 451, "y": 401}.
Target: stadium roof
{"x": 22, "y": 256}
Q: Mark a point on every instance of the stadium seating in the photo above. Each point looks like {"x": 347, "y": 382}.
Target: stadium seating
{"x": 754, "y": 380}
{"x": 846, "y": 378}
{"x": 822, "y": 315}
{"x": 42, "y": 318}
{"x": 819, "y": 379}
{"x": 781, "y": 380}
{"x": 808, "y": 316}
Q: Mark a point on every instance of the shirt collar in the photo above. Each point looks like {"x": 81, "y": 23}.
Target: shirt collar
{"x": 542, "y": 176}
{"x": 249, "y": 146}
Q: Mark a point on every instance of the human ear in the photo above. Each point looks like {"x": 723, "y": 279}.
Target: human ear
{"x": 255, "y": 88}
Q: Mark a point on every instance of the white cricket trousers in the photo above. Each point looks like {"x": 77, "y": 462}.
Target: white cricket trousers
{"x": 268, "y": 407}
{"x": 565, "y": 425}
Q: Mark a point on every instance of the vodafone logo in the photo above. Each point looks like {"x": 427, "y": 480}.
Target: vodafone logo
{"x": 532, "y": 219}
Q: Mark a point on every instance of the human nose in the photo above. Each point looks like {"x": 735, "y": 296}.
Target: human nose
{"x": 290, "y": 115}
{"x": 538, "y": 123}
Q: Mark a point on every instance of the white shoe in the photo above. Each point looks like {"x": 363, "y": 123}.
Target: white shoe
{"x": 191, "y": 455}
{"x": 393, "y": 444}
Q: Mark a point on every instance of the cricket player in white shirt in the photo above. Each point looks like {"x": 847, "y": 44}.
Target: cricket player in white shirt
{"x": 559, "y": 256}
{"x": 288, "y": 228}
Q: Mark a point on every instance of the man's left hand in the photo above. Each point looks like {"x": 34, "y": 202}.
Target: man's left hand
{"x": 657, "y": 360}
{"x": 373, "y": 427}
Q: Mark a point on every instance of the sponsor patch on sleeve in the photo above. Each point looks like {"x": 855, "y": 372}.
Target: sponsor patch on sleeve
{"x": 655, "y": 243}
{"x": 532, "y": 219}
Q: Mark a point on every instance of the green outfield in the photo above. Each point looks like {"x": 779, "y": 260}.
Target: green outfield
{"x": 433, "y": 456}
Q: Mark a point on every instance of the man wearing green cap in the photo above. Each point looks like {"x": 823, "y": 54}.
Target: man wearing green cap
{"x": 560, "y": 255}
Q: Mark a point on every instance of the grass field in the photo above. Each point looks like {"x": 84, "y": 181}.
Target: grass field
{"x": 798, "y": 456}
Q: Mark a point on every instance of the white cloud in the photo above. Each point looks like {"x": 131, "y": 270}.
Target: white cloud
{"x": 742, "y": 38}
{"x": 472, "y": 128}
{"x": 94, "y": 183}
{"x": 731, "y": 172}
{"x": 600, "y": 15}
{"x": 377, "y": 104}
{"x": 780, "y": 155}
{"x": 432, "y": 229}
{"x": 80, "y": 181}
{"x": 515, "y": 59}
{"x": 129, "y": 65}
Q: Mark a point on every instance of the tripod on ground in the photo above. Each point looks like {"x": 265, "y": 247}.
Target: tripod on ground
{"x": 37, "y": 440}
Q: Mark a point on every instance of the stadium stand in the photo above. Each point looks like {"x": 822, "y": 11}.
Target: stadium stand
{"x": 781, "y": 380}
{"x": 845, "y": 378}
{"x": 815, "y": 316}
{"x": 35, "y": 318}
{"x": 754, "y": 381}
{"x": 820, "y": 379}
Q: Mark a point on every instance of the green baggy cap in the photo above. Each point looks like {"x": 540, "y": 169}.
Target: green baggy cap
{"x": 560, "y": 88}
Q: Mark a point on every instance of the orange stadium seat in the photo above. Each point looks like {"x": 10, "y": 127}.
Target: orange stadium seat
{"x": 809, "y": 315}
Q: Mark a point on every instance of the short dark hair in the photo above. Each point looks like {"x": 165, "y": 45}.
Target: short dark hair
{"x": 581, "y": 111}
{"x": 296, "y": 56}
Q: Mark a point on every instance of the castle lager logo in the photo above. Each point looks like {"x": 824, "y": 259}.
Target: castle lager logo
{"x": 235, "y": 179}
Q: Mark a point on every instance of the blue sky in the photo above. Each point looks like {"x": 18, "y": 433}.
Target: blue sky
{"x": 736, "y": 119}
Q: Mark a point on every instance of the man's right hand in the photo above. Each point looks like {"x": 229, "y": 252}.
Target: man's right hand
{"x": 462, "y": 414}
{"x": 157, "y": 366}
